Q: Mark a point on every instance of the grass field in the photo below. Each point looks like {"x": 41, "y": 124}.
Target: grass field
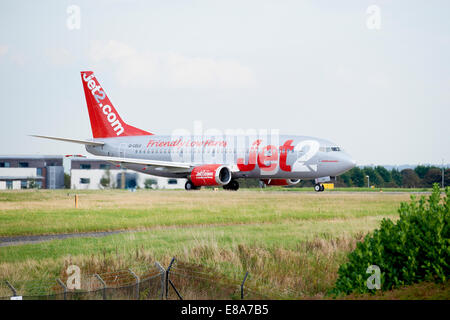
{"x": 292, "y": 243}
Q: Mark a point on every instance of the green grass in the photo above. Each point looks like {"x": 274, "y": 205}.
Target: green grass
{"x": 350, "y": 189}
{"x": 291, "y": 243}
{"x": 45, "y": 195}
{"x": 162, "y": 241}
{"x": 276, "y": 255}
{"x": 142, "y": 210}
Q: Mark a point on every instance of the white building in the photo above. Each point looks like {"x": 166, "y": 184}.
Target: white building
{"x": 88, "y": 173}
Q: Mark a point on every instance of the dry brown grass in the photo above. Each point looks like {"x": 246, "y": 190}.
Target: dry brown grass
{"x": 419, "y": 291}
{"x": 211, "y": 272}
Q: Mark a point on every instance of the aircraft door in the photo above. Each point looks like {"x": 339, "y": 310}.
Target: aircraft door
{"x": 122, "y": 150}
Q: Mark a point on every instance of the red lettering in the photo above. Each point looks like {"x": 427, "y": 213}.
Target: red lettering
{"x": 251, "y": 158}
{"x": 272, "y": 156}
{"x": 283, "y": 155}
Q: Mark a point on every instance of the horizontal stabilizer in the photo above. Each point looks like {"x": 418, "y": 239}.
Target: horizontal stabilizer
{"x": 85, "y": 142}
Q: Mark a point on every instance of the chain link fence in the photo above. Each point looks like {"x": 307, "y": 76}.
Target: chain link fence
{"x": 177, "y": 281}
{"x": 116, "y": 285}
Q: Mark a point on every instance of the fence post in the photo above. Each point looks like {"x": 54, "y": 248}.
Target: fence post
{"x": 137, "y": 283}
{"x": 168, "y": 281}
{"x": 163, "y": 280}
{"x": 104, "y": 285}
{"x": 167, "y": 277}
{"x": 12, "y": 288}
{"x": 242, "y": 285}
{"x": 64, "y": 287}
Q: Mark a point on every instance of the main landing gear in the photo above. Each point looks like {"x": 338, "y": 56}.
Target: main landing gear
{"x": 233, "y": 185}
{"x": 190, "y": 186}
{"x": 319, "y": 187}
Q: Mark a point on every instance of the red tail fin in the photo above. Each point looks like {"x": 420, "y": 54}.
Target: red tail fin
{"x": 105, "y": 120}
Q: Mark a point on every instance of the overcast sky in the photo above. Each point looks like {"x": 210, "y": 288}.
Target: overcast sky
{"x": 375, "y": 80}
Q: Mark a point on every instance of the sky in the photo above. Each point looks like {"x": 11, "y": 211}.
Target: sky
{"x": 371, "y": 76}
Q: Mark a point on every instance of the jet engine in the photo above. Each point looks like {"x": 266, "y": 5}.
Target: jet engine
{"x": 280, "y": 182}
{"x": 210, "y": 175}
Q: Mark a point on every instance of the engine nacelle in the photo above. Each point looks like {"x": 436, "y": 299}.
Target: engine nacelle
{"x": 280, "y": 182}
{"x": 210, "y": 175}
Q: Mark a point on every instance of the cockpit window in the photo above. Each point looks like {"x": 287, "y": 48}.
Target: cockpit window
{"x": 329, "y": 149}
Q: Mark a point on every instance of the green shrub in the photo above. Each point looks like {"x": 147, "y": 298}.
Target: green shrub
{"x": 415, "y": 248}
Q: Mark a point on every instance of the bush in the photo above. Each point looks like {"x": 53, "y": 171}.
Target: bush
{"x": 415, "y": 248}
{"x": 105, "y": 181}
{"x": 150, "y": 183}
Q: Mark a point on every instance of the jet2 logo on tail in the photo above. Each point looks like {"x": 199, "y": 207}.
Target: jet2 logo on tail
{"x": 107, "y": 110}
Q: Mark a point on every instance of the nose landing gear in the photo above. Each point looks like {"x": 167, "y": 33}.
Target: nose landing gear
{"x": 319, "y": 187}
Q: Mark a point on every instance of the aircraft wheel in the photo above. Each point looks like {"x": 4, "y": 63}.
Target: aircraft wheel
{"x": 318, "y": 187}
{"x": 233, "y": 185}
{"x": 189, "y": 185}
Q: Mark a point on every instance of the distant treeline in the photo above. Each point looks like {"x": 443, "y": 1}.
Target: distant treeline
{"x": 380, "y": 177}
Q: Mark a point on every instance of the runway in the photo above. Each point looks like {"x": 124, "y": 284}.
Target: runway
{"x": 19, "y": 240}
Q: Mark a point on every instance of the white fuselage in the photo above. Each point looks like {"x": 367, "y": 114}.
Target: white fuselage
{"x": 294, "y": 157}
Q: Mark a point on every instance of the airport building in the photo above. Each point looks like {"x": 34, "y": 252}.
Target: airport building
{"x": 36, "y": 171}
{"x": 99, "y": 174}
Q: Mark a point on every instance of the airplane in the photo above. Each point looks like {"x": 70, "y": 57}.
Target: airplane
{"x": 206, "y": 160}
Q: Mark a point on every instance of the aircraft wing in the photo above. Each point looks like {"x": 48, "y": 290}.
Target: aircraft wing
{"x": 150, "y": 163}
{"x": 175, "y": 167}
{"x": 85, "y": 142}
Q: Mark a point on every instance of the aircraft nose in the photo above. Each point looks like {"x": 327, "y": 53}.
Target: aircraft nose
{"x": 350, "y": 163}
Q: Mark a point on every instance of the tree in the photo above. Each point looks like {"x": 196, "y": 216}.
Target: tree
{"x": 66, "y": 181}
{"x": 105, "y": 181}
{"x": 357, "y": 176}
{"x": 384, "y": 173}
{"x": 344, "y": 180}
{"x": 375, "y": 178}
{"x": 421, "y": 171}
{"x": 434, "y": 175}
{"x": 410, "y": 178}
{"x": 396, "y": 177}
{"x": 32, "y": 184}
